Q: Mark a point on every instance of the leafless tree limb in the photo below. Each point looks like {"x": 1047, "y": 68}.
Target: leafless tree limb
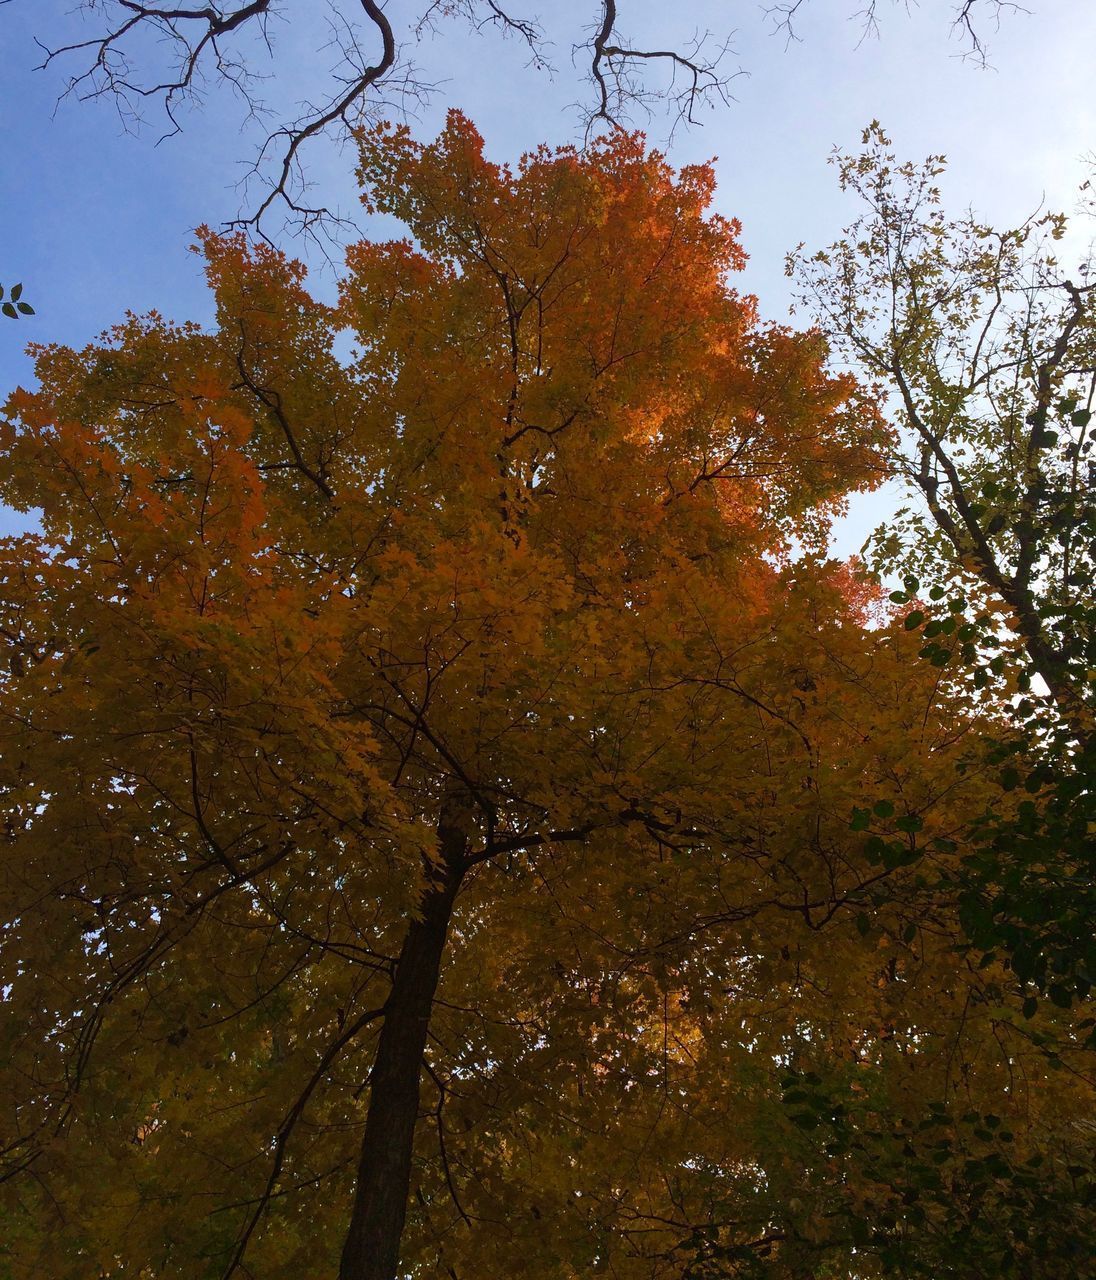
{"x": 967, "y": 21}
{"x": 140, "y": 53}
{"x": 695, "y": 78}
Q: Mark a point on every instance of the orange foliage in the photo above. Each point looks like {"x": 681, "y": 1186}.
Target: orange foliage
{"x": 518, "y": 571}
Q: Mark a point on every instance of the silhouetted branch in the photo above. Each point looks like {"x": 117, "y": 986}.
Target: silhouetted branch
{"x": 694, "y": 81}
{"x": 143, "y": 51}
{"x": 967, "y": 21}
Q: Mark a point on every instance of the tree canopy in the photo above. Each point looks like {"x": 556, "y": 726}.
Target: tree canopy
{"x": 457, "y": 822}
{"x": 988, "y": 348}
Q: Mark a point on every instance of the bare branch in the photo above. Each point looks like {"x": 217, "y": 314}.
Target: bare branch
{"x": 695, "y": 79}
{"x": 293, "y": 137}
{"x": 967, "y": 22}
{"x": 144, "y": 52}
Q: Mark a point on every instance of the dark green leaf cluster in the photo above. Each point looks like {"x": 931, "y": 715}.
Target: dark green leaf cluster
{"x": 12, "y": 304}
{"x": 1027, "y": 886}
{"x": 946, "y": 1193}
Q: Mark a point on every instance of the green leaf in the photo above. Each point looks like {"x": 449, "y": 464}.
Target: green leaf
{"x": 9, "y": 310}
{"x": 26, "y": 308}
{"x": 1029, "y": 1006}
{"x": 795, "y": 1097}
{"x": 883, "y": 808}
{"x": 914, "y": 620}
{"x": 16, "y": 292}
{"x": 875, "y": 847}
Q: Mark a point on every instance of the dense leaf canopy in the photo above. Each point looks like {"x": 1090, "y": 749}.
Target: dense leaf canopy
{"x": 501, "y": 645}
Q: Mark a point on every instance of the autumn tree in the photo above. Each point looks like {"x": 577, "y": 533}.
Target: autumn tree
{"x": 435, "y": 833}
{"x": 986, "y": 345}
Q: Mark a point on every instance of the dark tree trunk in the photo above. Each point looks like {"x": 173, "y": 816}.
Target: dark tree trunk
{"x": 372, "y": 1248}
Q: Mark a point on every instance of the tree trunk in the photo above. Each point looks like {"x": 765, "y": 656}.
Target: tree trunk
{"x": 372, "y": 1248}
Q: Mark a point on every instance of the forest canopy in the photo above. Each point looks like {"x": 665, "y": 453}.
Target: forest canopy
{"x": 459, "y": 823}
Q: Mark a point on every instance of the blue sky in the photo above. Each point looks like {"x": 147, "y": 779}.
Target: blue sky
{"x": 96, "y": 220}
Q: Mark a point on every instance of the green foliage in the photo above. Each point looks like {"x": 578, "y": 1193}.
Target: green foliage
{"x": 1027, "y": 884}
{"x": 12, "y": 304}
{"x": 944, "y": 1192}
{"x": 985, "y": 348}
